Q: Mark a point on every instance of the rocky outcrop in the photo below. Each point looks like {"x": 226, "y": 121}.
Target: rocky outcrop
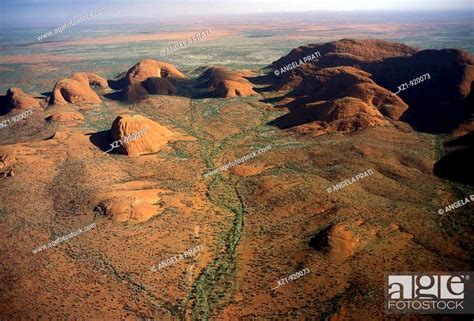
{"x": 16, "y": 99}
{"x": 342, "y": 240}
{"x": 94, "y": 80}
{"x": 362, "y": 54}
{"x": 341, "y": 82}
{"x": 139, "y": 135}
{"x": 340, "y": 99}
{"x": 152, "y": 68}
{"x": 149, "y": 77}
{"x": 439, "y": 104}
{"x": 8, "y": 163}
{"x": 159, "y": 86}
{"x": 78, "y": 89}
{"x": 129, "y": 202}
{"x": 221, "y": 82}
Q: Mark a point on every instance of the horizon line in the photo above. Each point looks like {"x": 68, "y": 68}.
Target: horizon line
{"x": 181, "y": 18}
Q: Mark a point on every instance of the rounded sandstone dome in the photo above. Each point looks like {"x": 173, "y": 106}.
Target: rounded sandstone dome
{"x": 349, "y": 107}
{"x": 222, "y": 82}
{"x": 139, "y": 135}
{"x": 73, "y": 91}
{"x": 90, "y": 79}
{"x": 231, "y": 88}
{"x": 349, "y": 114}
{"x": 152, "y": 68}
{"x": 17, "y": 99}
{"x": 77, "y": 89}
{"x": 149, "y": 77}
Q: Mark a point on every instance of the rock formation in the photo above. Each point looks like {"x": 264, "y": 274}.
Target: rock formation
{"x": 17, "y": 99}
{"x": 342, "y": 240}
{"x": 8, "y": 163}
{"x": 149, "y": 77}
{"x": 222, "y": 82}
{"x": 94, "y": 80}
{"x": 362, "y": 54}
{"x": 77, "y": 89}
{"x": 341, "y": 82}
{"x": 159, "y": 86}
{"x": 139, "y": 135}
{"x": 340, "y": 99}
{"x": 371, "y": 70}
{"x": 129, "y": 202}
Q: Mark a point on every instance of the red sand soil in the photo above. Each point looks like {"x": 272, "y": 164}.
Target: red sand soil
{"x": 55, "y": 178}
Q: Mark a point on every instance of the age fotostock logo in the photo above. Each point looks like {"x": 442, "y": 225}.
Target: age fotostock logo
{"x": 429, "y": 293}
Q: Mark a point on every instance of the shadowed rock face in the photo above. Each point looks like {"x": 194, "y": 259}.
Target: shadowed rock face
{"x": 159, "y": 86}
{"x": 341, "y": 82}
{"x": 94, "y": 80}
{"x": 361, "y": 54}
{"x": 222, "y": 82}
{"x": 456, "y": 165}
{"x": 343, "y": 115}
{"x": 337, "y": 240}
{"x": 351, "y": 50}
{"x": 152, "y": 68}
{"x": 340, "y": 99}
{"x": 320, "y": 241}
{"x": 139, "y": 135}
{"x": 438, "y": 104}
{"x": 77, "y": 89}
{"x": 17, "y": 99}
{"x": 149, "y": 77}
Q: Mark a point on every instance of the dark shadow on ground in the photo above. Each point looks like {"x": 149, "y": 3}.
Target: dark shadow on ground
{"x": 117, "y": 84}
{"x": 464, "y": 141}
{"x": 47, "y": 94}
{"x": 4, "y": 109}
{"x": 293, "y": 119}
{"x": 456, "y": 165}
{"x": 274, "y": 100}
{"x": 201, "y": 85}
{"x": 116, "y": 95}
{"x": 205, "y": 95}
{"x": 263, "y": 89}
{"x": 262, "y": 80}
{"x": 183, "y": 87}
{"x": 102, "y": 140}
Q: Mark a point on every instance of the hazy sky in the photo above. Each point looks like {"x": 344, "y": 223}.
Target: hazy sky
{"x": 60, "y": 11}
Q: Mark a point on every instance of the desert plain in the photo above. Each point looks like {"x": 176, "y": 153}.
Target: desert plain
{"x": 257, "y": 222}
